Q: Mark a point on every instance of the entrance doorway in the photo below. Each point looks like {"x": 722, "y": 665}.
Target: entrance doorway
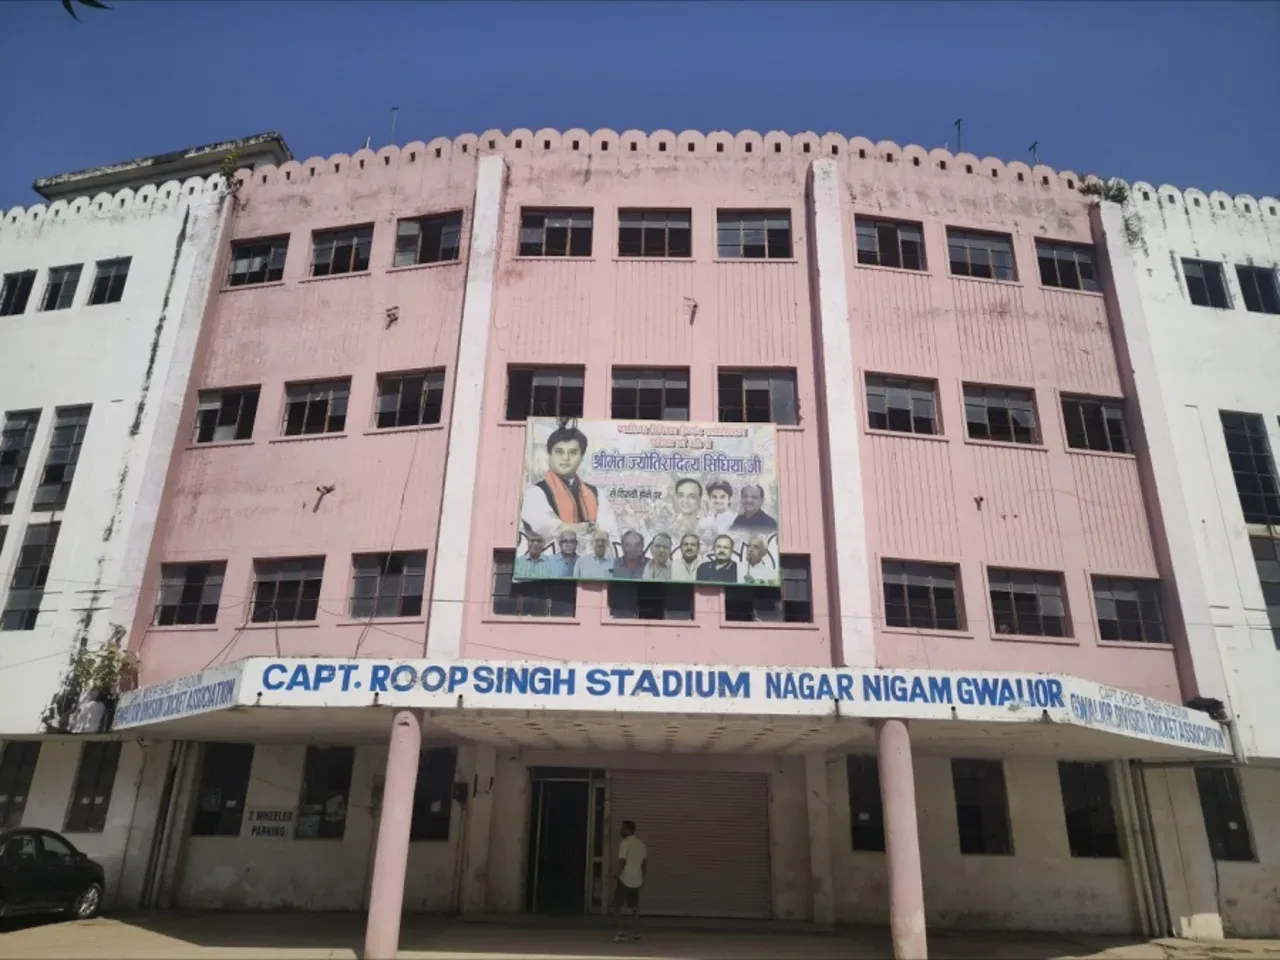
{"x": 567, "y": 828}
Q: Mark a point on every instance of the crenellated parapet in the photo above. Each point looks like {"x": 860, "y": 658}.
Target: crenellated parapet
{"x": 145, "y": 201}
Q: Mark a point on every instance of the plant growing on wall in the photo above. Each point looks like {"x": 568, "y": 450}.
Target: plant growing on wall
{"x": 1115, "y": 190}
{"x": 94, "y": 675}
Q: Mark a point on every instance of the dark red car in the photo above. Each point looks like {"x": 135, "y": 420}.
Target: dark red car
{"x": 42, "y": 872}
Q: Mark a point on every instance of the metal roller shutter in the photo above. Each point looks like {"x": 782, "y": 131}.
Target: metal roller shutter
{"x": 707, "y": 836}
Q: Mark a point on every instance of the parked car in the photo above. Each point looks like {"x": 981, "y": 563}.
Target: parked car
{"x": 42, "y": 872}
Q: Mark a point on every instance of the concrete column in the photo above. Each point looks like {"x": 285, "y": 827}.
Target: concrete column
{"x": 901, "y": 841}
{"x": 386, "y": 896}
{"x": 817, "y": 806}
{"x": 1187, "y": 870}
{"x": 479, "y": 818}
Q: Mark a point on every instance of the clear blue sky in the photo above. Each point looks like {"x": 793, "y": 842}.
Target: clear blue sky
{"x": 1183, "y": 93}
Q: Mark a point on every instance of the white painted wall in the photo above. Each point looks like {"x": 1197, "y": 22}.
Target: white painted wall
{"x": 130, "y": 360}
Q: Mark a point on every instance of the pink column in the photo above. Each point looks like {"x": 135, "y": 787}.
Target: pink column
{"x": 901, "y": 841}
{"x": 386, "y": 896}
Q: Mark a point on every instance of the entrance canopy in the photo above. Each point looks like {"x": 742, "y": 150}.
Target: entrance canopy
{"x": 666, "y": 707}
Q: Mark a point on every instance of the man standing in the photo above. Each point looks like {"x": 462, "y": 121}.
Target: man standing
{"x": 630, "y": 566}
{"x": 568, "y": 556}
{"x": 598, "y": 565}
{"x": 722, "y": 568}
{"x": 536, "y": 565}
{"x": 752, "y": 518}
{"x": 631, "y": 863}
{"x": 759, "y": 567}
{"x": 685, "y": 567}
{"x": 659, "y": 567}
{"x": 561, "y": 499}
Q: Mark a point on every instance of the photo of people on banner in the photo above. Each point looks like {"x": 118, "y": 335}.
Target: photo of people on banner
{"x": 649, "y": 500}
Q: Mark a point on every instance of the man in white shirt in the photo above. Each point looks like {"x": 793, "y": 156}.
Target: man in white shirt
{"x": 631, "y": 864}
{"x": 759, "y": 567}
{"x": 684, "y": 568}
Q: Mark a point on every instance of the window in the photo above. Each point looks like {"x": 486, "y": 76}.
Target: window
{"x": 758, "y": 396}
{"x": 1095, "y": 424}
{"x": 17, "y": 767}
{"x": 531, "y": 598}
{"x": 1067, "y": 265}
{"x": 544, "y": 392}
{"x": 26, "y": 589}
{"x": 982, "y": 807}
{"x": 318, "y": 407}
{"x": 555, "y": 233}
{"x": 903, "y": 406}
{"x": 15, "y": 292}
{"x": 15, "y": 447}
{"x": 650, "y": 395}
{"x": 341, "y": 251}
{"x": 108, "y": 282}
{"x": 286, "y": 589}
{"x": 654, "y": 233}
{"x": 91, "y": 797}
{"x": 1258, "y": 285}
{"x": 1206, "y": 286}
{"x": 1251, "y": 463}
{"x": 887, "y": 243}
{"x": 651, "y": 601}
{"x": 1223, "y": 810}
{"x": 388, "y": 584}
{"x": 866, "y": 809}
{"x": 1007, "y": 416}
{"x": 1027, "y": 603}
{"x": 921, "y": 595}
{"x": 60, "y": 288}
{"x": 410, "y": 399}
{"x": 975, "y": 254}
{"x": 1129, "y": 609}
{"x": 428, "y": 239}
{"x": 326, "y": 788}
{"x": 752, "y": 235}
{"x": 257, "y": 261}
{"x": 225, "y": 415}
{"x": 1266, "y": 557}
{"x": 189, "y": 593}
{"x": 792, "y": 602}
{"x": 433, "y": 795}
{"x": 224, "y": 783}
{"x": 1086, "y": 801}
{"x": 69, "y": 427}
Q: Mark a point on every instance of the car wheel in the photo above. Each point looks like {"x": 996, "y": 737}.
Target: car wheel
{"x": 88, "y": 903}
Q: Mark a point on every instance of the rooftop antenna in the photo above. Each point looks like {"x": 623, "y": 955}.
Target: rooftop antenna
{"x": 1035, "y": 154}
{"x": 394, "y": 111}
{"x": 367, "y": 141}
{"x": 959, "y": 132}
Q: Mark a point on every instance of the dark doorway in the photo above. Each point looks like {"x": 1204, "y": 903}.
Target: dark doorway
{"x": 559, "y": 829}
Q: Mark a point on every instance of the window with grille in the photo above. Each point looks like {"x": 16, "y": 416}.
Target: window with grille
{"x": 529, "y": 598}
{"x": 650, "y": 395}
{"x": 654, "y": 233}
{"x": 434, "y": 239}
{"x": 388, "y": 584}
{"x": 16, "y": 440}
{"x": 109, "y": 281}
{"x": 226, "y": 415}
{"x": 60, "y": 288}
{"x": 921, "y": 595}
{"x": 903, "y": 406}
{"x": 409, "y": 399}
{"x": 866, "y": 808}
{"x": 758, "y": 396}
{"x": 555, "y": 233}
{"x": 1095, "y": 424}
{"x": 792, "y": 602}
{"x": 326, "y": 793}
{"x": 889, "y": 243}
{"x": 1027, "y": 603}
{"x": 753, "y": 235}
{"x": 91, "y": 796}
{"x": 18, "y": 760}
{"x": 1258, "y": 287}
{"x": 1224, "y": 814}
{"x": 189, "y": 593}
{"x": 1266, "y": 557}
{"x": 335, "y": 252}
{"x": 26, "y": 589}
{"x": 651, "y": 601}
{"x": 1006, "y": 416}
{"x": 224, "y": 784}
{"x": 258, "y": 261}
{"x": 285, "y": 590}
{"x": 1252, "y": 466}
{"x": 1129, "y": 609}
{"x": 544, "y": 392}
{"x": 976, "y": 254}
{"x": 982, "y": 807}
{"x": 1090, "y": 815}
{"x": 1206, "y": 284}
{"x": 15, "y": 292}
{"x": 433, "y": 795}
{"x": 1066, "y": 265}
{"x": 318, "y": 407}
{"x": 69, "y": 426}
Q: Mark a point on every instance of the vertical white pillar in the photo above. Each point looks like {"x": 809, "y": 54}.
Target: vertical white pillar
{"x": 818, "y": 806}
{"x": 1187, "y": 870}
{"x": 475, "y": 869}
